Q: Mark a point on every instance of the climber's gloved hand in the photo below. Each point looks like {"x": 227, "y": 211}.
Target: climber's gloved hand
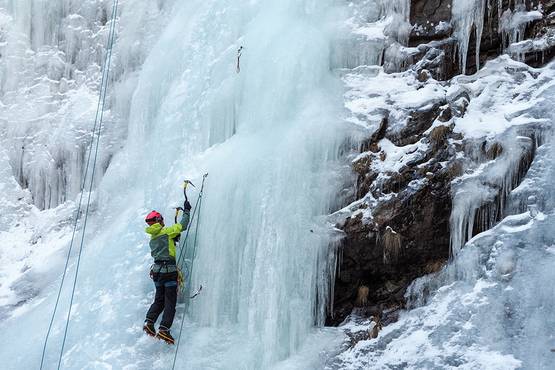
{"x": 187, "y": 206}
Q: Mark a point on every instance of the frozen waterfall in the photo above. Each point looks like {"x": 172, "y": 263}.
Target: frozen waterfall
{"x": 52, "y": 53}
{"x": 277, "y": 138}
{"x": 270, "y": 138}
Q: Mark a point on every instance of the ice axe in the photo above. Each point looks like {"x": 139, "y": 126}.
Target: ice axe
{"x": 186, "y": 183}
{"x": 239, "y": 53}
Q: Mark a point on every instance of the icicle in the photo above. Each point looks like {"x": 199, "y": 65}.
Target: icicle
{"x": 468, "y": 15}
{"x": 374, "y": 27}
{"x": 480, "y": 200}
{"x": 512, "y": 26}
{"x": 399, "y": 12}
{"x": 49, "y": 77}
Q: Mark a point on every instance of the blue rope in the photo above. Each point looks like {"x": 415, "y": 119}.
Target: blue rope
{"x": 196, "y": 233}
{"x": 184, "y": 243}
{"x": 183, "y": 249}
{"x": 107, "y": 62}
{"x": 97, "y": 123}
{"x": 199, "y": 203}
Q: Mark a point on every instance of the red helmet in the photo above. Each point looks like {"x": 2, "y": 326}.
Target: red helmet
{"x": 153, "y": 217}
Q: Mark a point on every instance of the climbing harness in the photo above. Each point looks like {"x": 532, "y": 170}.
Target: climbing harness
{"x": 182, "y": 260}
{"x": 97, "y": 130}
{"x": 239, "y": 53}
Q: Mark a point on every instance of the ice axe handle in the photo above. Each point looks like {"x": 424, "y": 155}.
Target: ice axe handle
{"x": 185, "y": 184}
{"x": 177, "y": 209}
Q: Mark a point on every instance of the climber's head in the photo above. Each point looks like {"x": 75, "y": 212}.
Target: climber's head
{"x": 154, "y": 218}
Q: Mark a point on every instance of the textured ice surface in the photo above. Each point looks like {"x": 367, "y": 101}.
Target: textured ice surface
{"x": 372, "y": 27}
{"x": 270, "y": 138}
{"x": 52, "y": 53}
{"x": 468, "y": 18}
{"x": 505, "y": 96}
{"x": 468, "y": 15}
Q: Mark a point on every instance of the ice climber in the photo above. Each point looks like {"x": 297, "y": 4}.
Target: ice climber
{"x": 164, "y": 271}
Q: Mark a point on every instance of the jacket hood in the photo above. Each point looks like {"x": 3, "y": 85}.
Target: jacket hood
{"x": 154, "y": 229}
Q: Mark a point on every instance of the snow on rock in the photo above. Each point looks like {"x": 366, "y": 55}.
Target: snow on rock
{"x": 471, "y": 314}
{"x": 484, "y": 130}
{"x": 510, "y": 112}
{"x": 470, "y": 32}
{"x": 502, "y": 95}
{"x": 489, "y": 309}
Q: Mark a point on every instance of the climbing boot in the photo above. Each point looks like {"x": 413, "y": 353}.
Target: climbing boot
{"x": 149, "y": 329}
{"x": 164, "y": 334}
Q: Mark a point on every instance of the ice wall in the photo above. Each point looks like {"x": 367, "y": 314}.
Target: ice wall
{"x": 513, "y": 22}
{"x": 270, "y": 138}
{"x": 373, "y": 28}
{"x": 274, "y": 135}
{"x": 480, "y": 199}
{"x": 399, "y": 12}
{"x": 503, "y": 127}
{"x": 52, "y": 53}
{"x": 470, "y": 16}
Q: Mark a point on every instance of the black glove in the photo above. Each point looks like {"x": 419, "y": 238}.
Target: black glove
{"x": 187, "y": 205}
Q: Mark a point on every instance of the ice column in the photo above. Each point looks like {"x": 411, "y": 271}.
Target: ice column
{"x": 400, "y": 27}
{"x": 480, "y": 199}
{"x": 51, "y": 56}
{"x": 468, "y": 15}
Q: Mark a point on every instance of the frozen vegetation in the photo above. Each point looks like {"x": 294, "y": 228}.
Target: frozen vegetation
{"x": 277, "y": 140}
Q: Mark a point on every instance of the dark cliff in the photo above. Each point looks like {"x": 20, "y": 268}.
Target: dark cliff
{"x": 409, "y": 232}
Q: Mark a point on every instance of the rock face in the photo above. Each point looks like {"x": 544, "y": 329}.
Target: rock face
{"x": 437, "y": 49}
{"x": 408, "y": 234}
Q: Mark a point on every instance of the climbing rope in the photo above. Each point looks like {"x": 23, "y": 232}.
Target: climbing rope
{"x": 97, "y": 124}
{"x": 183, "y": 244}
{"x": 198, "y": 206}
{"x": 180, "y": 260}
{"x": 196, "y": 234}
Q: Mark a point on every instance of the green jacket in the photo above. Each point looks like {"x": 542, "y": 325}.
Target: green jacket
{"x": 162, "y": 244}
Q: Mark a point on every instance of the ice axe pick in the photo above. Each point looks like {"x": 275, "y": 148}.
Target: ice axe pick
{"x": 186, "y": 183}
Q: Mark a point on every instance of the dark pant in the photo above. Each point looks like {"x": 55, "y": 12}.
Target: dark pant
{"x": 165, "y": 299}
